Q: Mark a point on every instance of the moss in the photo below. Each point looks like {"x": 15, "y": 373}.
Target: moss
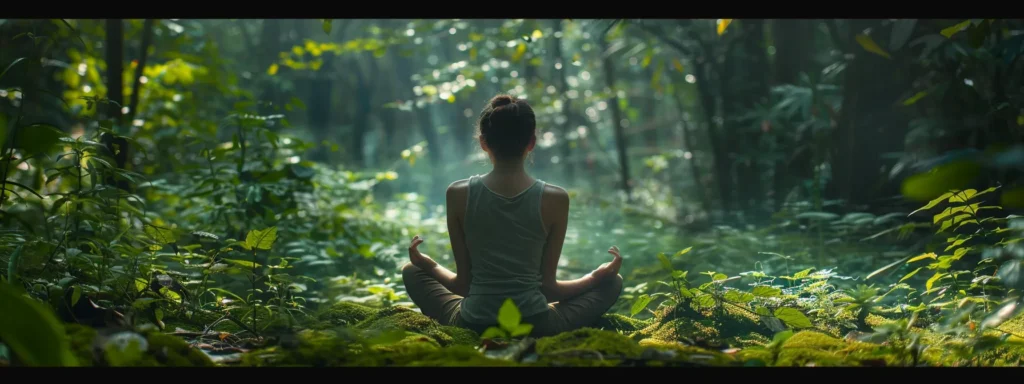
{"x": 819, "y": 349}
{"x": 616, "y": 322}
{"x": 411, "y": 321}
{"x": 345, "y": 313}
{"x": 688, "y": 353}
{"x": 683, "y": 329}
{"x": 461, "y": 336}
{"x": 755, "y": 354}
{"x": 82, "y": 338}
{"x": 874, "y": 320}
{"x": 608, "y": 343}
{"x": 419, "y": 354}
{"x": 1015, "y": 327}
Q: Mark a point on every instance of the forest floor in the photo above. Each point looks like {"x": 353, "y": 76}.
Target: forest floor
{"x": 648, "y": 327}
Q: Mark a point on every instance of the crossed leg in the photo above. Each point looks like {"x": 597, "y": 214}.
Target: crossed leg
{"x": 438, "y": 303}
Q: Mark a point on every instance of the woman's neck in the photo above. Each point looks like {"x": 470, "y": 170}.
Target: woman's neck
{"x": 506, "y": 169}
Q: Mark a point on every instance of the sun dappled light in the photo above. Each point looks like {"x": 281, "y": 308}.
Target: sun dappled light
{"x": 245, "y": 192}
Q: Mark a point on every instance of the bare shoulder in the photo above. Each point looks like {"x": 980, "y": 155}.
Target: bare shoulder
{"x": 458, "y": 187}
{"x": 457, "y": 193}
{"x": 555, "y": 197}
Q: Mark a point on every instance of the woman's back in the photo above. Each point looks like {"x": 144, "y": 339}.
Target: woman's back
{"x": 505, "y": 237}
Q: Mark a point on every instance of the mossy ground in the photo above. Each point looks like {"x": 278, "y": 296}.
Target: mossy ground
{"x": 349, "y": 334}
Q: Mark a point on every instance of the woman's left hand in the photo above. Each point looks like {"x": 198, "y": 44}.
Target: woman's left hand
{"x": 420, "y": 260}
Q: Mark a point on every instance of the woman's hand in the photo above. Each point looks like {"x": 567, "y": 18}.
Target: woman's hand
{"x": 418, "y": 259}
{"x": 609, "y": 269}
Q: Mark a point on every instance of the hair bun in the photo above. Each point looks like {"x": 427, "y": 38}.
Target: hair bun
{"x": 501, "y": 101}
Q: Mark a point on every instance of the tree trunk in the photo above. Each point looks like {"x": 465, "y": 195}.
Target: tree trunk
{"x": 620, "y": 137}
{"x": 567, "y": 126}
{"x": 869, "y": 124}
{"x": 793, "y": 44}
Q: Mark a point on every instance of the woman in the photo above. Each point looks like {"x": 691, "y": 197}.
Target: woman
{"x": 506, "y": 230}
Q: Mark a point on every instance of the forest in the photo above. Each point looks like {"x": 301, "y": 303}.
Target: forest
{"x": 784, "y": 192}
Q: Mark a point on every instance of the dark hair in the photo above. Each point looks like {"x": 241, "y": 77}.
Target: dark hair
{"x": 507, "y": 124}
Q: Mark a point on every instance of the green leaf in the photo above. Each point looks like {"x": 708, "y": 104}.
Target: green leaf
{"x": 929, "y": 255}
{"x": 11, "y": 65}
{"x": 887, "y": 267}
{"x": 159, "y": 314}
{"x": 242, "y": 263}
{"x": 869, "y": 45}
{"x": 509, "y": 316}
{"x": 494, "y": 333}
{"x": 32, "y": 332}
{"x": 679, "y": 275}
{"x": 640, "y": 304}
{"x": 683, "y": 252}
{"x": 933, "y": 203}
{"x": 766, "y": 291}
{"x": 665, "y": 262}
{"x": 705, "y": 301}
{"x": 686, "y": 293}
{"x": 950, "y": 31}
{"x": 76, "y": 293}
{"x": 161, "y": 235}
{"x": 739, "y": 297}
{"x": 328, "y": 25}
{"x": 909, "y": 275}
{"x": 719, "y": 277}
{"x": 793, "y": 318}
{"x": 914, "y": 99}
{"x": 38, "y": 138}
{"x": 931, "y": 281}
{"x": 261, "y": 239}
{"x": 802, "y": 274}
{"x": 522, "y": 330}
{"x": 12, "y": 265}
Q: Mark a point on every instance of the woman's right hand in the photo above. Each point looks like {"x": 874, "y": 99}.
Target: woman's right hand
{"x": 611, "y": 268}
{"x": 420, "y": 260}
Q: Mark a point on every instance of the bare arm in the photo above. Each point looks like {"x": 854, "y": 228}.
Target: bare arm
{"x": 557, "y": 218}
{"x": 456, "y": 282}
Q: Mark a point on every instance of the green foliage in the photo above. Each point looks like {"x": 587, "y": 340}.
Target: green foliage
{"x": 34, "y": 334}
{"x": 509, "y": 323}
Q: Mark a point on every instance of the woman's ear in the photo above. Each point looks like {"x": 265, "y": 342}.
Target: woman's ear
{"x": 483, "y": 145}
{"x": 533, "y": 142}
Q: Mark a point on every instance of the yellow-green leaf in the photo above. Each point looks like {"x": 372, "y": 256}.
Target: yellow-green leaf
{"x": 647, "y": 59}
{"x": 912, "y": 273}
{"x": 938, "y": 275}
{"x": 328, "y": 25}
{"x": 950, "y": 31}
{"x": 963, "y": 196}
{"x": 722, "y": 25}
{"x": 915, "y": 98}
{"x": 522, "y": 330}
{"x": 520, "y": 51}
{"x": 509, "y": 316}
{"x": 929, "y": 255}
{"x": 536, "y": 34}
{"x": 683, "y": 252}
{"x": 793, "y": 318}
{"x": 273, "y": 69}
{"x": 640, "y": 304}
{"x": 665, "y": 262}
{"x": 766, "y": 291}
{"x": 869, "y": 45}
{"x": 261, "y": 239}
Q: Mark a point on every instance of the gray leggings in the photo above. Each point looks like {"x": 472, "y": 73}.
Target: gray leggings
{"x": 438, "y": 303}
